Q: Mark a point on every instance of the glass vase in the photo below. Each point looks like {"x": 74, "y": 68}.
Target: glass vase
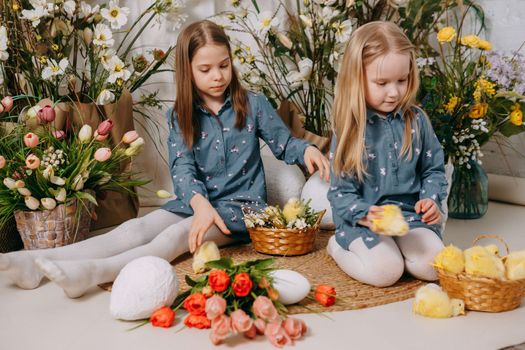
{"x": 468, "y": 198}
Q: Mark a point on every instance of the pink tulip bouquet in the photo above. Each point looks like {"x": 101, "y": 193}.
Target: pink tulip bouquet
{"x": 43, "y": 167}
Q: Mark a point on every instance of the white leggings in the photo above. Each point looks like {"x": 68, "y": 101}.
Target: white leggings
{"x": 79, "y": 266}
{"x": 383, "y": 265}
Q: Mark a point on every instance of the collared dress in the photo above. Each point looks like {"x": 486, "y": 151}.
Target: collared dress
{"x": 391, "y": 179}
{"x": 224, "y": 164}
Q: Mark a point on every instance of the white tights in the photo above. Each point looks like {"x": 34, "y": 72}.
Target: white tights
{"x": 79, "y": 266}
{"x": 384, "y": 264}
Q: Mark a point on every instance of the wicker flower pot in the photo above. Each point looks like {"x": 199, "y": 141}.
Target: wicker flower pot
{"x": 9, "y": 238}
{"x": 54, "y": 228}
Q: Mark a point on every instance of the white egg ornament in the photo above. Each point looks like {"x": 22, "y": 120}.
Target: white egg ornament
{"x": 292, "y": 286}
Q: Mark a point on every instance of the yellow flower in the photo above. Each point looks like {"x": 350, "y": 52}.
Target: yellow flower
{"x": 446, "y": 34}
{"x": 451, "y": 105}
{"x": 470, "y": 41}
{"x": 516, "y": 116}
{"x": 484, "y": 45}
{"x": 478, "y": 110}
{"x": 484, "y": 86}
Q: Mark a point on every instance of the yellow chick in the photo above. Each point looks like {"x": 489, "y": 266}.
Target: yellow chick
{"x": 392, "y": 222}
{"x": 293, "y": 208}
{"x": 479, "y": 261}
{"x": 493, "y": 249}
{"x": 450, "y": 259}
{"x": 432, "y": 301}
{"x": 515, "y": 265}
{"x": 208, "y": 251}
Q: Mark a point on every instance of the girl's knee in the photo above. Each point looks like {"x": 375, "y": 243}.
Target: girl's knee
{"x": 385, "y": 274}
{"x": 422, "y": 268}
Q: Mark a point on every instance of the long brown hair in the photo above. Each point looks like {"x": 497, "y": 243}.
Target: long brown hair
{"x": 192, "y": 38}
{"x": 368, "y": 42}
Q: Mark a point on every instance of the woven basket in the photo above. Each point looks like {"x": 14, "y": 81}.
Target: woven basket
{"x": 286, "y": 242}
{"x": 54, "y": 228}
{"x": 9, "y": 237}
{"x": 483, "y": 293}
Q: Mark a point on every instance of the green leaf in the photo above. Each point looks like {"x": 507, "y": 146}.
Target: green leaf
{"x": 264, "y": 263}
{"x": 85, "y": 195}
{"x": 222, "y": 264}
{"x": 508, "y": 129}
{"x": 190, "y": 282}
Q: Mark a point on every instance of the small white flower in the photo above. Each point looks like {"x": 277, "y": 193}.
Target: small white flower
{"x": 265, "y": 22}
{"x": 307, "y": 21}
{"x": 34, "y": 15}
{"x": 105, "y": 97}
{"x": 116, "y": 16}
{"x": 117, "y": 70}
{"x": 48, "y": 173}
{"x": 342, "y": 31}
{"x": 54, "y": 69}
{"x": 103, "y": 36}
{"x": 3, "y": 44}
{"x": 86, "y": 10}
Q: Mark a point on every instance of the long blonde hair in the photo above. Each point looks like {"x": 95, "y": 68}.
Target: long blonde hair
{"x": 368, "y": 42}
{"x": 192, "y": 38}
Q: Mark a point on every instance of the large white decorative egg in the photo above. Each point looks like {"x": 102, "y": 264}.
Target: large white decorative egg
{"x": 292, "y": 286}
{"x": 316, "y": 189}
{"x": 143, "y": 286}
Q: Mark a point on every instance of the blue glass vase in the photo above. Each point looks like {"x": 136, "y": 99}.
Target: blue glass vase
{"x": 468, "y": 198}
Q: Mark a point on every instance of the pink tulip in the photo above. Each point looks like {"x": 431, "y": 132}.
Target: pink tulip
{"x": 102, "y": 154}
{"x": 2, "y": 108}
{"x": 263, "y": 308}
{"x": 276, "y": 334}
{"x": 46, "y": 114}
{"x": 59, "y": 134}
{"x": 105, "y": 127}
{"x": 215, "y": 306}
{"x": 260, "y": 326}
{"x": 130, "y": 136}
{"x": 2, "y": 162}
{"x": 7, "y": 103}
{"x": 31, "y": 140}
{"x": 99, "y": 137}
{"x": 220, "y": 328}
{"x": 251, "y": 333}
{"x": 32, "y": 161}
{"x": 294, "y": 327}
{"x": 241, "y": 322}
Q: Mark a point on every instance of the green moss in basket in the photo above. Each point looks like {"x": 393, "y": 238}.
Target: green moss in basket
{"x": 296, "y": 214}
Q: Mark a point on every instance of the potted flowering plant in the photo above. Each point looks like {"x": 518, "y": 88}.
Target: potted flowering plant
{"x": 299, "y": 48}
{"x": 50, "y": 178}
{"x": 471, "y": 94}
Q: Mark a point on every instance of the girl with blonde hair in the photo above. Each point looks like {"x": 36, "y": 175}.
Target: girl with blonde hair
{"x": 215, "y": 164}
{"x": 384, "y": 151}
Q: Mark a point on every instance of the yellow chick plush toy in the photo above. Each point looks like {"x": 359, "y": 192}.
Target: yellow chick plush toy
{"x": 450, "y": 259}
{"x": 391, "y": 223}
{"x": 208, "y": 251}
{"x": 293, "y": 208}
{"x": 493, "y": 249}
{"x": 515, "y": 265}
{"x": 479, "y": 261}
{"x": 432, "y": 301}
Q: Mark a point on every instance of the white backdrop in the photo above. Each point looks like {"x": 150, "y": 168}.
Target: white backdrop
{"x": 506, "y": 30}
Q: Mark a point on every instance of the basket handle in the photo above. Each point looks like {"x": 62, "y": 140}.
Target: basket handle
{"x": 480, "y": 237}
{"x": 319, "y": 217}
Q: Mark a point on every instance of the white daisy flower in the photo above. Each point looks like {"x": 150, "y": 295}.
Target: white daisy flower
{"x": 105, "y": 56}
{"x": 342, "y": 31}
{"x": 54, "y": 69}
{"x": 103, "y": 36}
{"x": 34, "y": 15}
{"x": 117, "y": 70}
{"x": 265, "y": 22}
{"x": 116, "y": 16}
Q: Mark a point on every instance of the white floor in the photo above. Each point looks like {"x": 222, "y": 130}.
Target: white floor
{"x": 45, "y": 318}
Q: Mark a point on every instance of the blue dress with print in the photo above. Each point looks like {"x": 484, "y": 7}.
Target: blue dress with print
{"x": 224, "y": 164}
{"x": 391, "y": 179}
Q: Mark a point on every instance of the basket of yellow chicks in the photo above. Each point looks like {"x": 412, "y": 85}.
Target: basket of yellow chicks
{"x": 288, "y": 231}
{"x": 481, "y": 278}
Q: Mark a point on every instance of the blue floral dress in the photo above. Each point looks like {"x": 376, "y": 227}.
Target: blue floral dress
{"x": 391, "y": 179}
{"x": 224, "y": 164}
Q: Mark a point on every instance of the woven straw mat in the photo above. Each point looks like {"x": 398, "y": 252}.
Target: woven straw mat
{"x": 319, "y": 268}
